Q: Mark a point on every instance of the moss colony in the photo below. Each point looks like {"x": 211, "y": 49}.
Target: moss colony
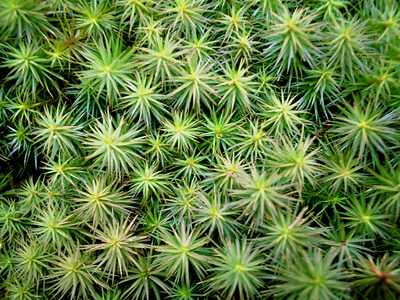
{"x": 199, "y": 149}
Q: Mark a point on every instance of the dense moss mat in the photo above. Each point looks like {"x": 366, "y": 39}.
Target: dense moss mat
{"x": 181, "y": 149}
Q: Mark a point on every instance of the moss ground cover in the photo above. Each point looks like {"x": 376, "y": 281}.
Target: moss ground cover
{"x": 199, "y": 149}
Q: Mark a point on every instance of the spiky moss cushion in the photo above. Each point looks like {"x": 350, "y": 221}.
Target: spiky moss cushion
{"x": 183, "y": 149}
